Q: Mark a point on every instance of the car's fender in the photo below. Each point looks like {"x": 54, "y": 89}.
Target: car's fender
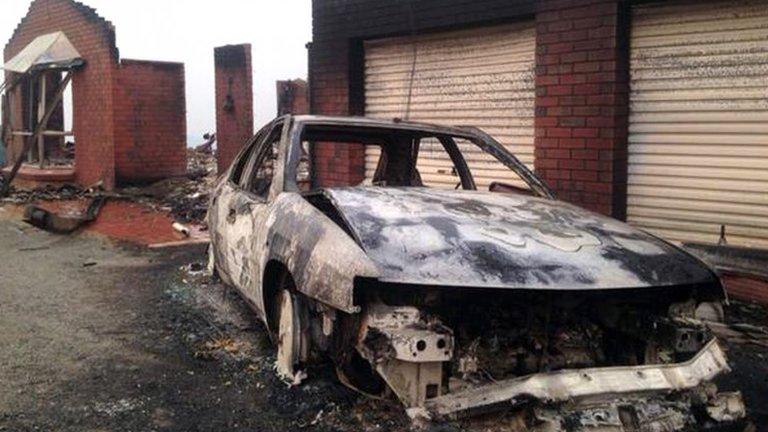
{"x": 323, "y": 259}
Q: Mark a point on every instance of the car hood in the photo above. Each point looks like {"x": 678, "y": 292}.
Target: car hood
{"x": 483, "y": 239}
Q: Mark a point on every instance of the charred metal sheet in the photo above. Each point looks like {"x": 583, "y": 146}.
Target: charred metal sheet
{"x": 298, "y": 236}
{"x": 569, "y": 385}
{"x": 482, "y": 239}
{"x": 63, "y": 224}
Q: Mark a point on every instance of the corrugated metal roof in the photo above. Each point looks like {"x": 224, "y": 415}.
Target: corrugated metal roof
{"x": 50, "y": 50}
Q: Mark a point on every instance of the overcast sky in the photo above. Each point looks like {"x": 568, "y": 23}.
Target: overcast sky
{"x": 187, "y": 31}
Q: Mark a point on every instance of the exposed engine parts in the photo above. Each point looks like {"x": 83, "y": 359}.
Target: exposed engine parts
{"x": 408, "y": 350}
{"x": 456, "y": 353}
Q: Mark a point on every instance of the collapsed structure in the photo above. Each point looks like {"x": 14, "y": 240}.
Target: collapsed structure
{"x": 129, "y": 116}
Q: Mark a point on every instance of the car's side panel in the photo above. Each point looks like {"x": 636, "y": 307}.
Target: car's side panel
{"x": 217, "y": 214}
{"x": 322, "y": 258}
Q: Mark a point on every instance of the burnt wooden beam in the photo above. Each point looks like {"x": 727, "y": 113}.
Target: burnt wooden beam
{"x": 6, "y": 186}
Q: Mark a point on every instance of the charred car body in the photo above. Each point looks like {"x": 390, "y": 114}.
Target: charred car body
{"x": 459, "y": 301}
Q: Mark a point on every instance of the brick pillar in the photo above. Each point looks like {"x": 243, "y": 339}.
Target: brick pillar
{"x": 582, "y": 102}
{"x": 335, "y": 165}
{"x": 234, "y": 101}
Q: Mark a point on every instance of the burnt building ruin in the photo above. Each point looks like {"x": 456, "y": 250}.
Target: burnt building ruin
{"x": 128, "y": 116}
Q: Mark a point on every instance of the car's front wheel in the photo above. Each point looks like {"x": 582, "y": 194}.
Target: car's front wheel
{"x": 289, "y": 337}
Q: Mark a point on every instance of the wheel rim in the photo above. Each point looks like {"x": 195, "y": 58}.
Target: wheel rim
{"x": 287, "y": 338}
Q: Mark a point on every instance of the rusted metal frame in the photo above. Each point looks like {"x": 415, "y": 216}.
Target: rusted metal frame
{"x": 38, "y": 130}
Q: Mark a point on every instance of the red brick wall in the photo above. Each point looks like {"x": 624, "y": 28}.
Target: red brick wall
{"x": 94, "y": 38}
{"x": 582, "y": 102}
{"x": 749, "y": 288}
{"x": 234, "y": 120}
{"x": 339, "y": 164}
{"x": 292, "y": 97}
{"x": 150, "y": 121}
{"x": 335, "y": 165}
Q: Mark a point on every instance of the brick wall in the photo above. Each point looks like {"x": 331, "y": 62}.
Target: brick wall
{"x": 745, "y": 287}
{"x": 234, "y": 101}
{"x": 92, "y": 89}
{"x": 292, "y": 97}
{"x": 582, "y": 102}
{"x": 150, "y": 121}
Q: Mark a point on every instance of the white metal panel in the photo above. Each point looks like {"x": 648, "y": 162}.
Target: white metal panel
{"x": 698, "y": 144}
{"x": 479, "y": 77}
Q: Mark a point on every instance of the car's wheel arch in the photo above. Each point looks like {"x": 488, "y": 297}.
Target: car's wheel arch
{"x": 274, "y": 273}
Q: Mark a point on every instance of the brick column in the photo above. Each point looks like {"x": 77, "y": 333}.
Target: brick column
{"x": 334, "y": 164}
{"x": 234, "y": 101}
{"x": 582, "y": 102}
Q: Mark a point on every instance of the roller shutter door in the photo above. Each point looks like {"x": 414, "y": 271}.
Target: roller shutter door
{"x": 698, "y": 143}
{"x": 479, "y": 77}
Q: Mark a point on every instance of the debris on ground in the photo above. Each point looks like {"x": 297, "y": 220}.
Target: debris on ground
{"x": 747, "y": 323}
{"x": 207, "y": 147}
{"x": 47, "y": 193}
{"x": 65, "y": 222}
{"x": 185, "y": 198}
{"x": 226, "y": 344}
{"x": 181, "y": 229}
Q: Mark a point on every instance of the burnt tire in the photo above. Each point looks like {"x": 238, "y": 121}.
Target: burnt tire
{"x": 288, "y": 332}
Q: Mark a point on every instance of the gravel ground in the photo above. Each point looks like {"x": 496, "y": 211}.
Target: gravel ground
{"x": 104, "y": 337}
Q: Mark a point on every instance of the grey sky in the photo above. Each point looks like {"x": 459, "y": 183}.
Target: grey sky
{"x": 187, "y": 31}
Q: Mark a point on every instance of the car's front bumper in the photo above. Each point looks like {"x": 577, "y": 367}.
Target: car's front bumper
{"x": 605, "y": 393}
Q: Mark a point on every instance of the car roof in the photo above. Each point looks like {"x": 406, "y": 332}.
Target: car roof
{"x": 394, "y": 124}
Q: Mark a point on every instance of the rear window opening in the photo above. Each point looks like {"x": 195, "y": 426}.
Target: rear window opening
{"x": 402, "y": 158}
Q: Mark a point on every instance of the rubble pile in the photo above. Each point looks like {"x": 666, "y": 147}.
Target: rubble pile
{"x": 186, "y": 198}
{"x": 48, "y": 193}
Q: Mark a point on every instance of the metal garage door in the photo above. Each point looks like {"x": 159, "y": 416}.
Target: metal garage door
{"x": 698, "y": 145}
{"x": 480, "y": 77}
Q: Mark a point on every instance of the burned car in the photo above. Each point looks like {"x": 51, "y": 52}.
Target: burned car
{"x": 419, "y": 286}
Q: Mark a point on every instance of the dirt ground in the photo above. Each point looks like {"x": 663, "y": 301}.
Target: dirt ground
{"x": 100, "y": 337}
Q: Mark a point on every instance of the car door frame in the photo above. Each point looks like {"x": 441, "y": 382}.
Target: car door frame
{"x": 222, "y": 202}
{"x": 248, "y": 233}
